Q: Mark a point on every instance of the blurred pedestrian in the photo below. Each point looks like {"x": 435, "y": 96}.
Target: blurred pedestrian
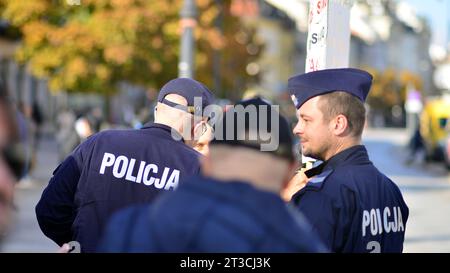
{"x": 27, "y": 129}
{"x": 116, "y": 168}
{"x": 234, "y": 207}
{"x": 415, "y": 145}
{"x": 38, "y": 119}
{"x": 96, "y": 119}
{"x": 352, "y": 205}
{"x": 66, "y": 135}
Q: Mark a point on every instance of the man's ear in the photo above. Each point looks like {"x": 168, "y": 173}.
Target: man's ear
{"x": 340, "y": 125}
{"x": 197, "y": 130}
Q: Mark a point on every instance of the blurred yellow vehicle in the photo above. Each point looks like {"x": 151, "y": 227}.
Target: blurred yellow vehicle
{"x": 434, "y": 127}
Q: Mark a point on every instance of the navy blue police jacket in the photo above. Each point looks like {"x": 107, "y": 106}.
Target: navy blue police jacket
{"x": 207, "y": 215}
{"x": 353, "y": 206}
{"x": 110, "y": 170}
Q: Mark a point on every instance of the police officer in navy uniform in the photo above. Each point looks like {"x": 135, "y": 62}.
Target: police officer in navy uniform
{"x": 116, "y": 168}
{"x": 351, "y": 204}
{"x": 234, "y": 207}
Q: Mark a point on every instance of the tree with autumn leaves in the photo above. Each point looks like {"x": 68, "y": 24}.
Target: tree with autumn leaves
{"x": 93, "y": 46}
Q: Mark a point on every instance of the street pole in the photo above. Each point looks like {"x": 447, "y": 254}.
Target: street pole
{"x": 217, "y": 52}
{"x": 328, "y": 44}
{"x": 188, "y": 22}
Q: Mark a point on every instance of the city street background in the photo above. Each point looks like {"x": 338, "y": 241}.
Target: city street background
{"x": 426, "y": 189}
{"x": 73, "y": 68}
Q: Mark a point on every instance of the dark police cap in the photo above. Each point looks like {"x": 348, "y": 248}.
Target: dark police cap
{"x": 306, "y": 86}
{"x": 188, "y": 89}
{"x": 255, "y": 123}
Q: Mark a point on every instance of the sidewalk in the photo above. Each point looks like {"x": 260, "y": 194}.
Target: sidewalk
{"x": 426, "y": 190}
{"x": 25, "y": 234}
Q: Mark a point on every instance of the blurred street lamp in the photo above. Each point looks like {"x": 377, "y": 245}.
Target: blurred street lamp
{"x": 188, "y": 22}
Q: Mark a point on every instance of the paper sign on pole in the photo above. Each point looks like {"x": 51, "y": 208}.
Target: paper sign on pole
{"x": 328, "y": 44}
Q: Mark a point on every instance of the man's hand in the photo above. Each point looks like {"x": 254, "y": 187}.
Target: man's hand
{"x": 297, "y": 183}
{"x": 70, "y": 247}
{"x": 64, "y": 249}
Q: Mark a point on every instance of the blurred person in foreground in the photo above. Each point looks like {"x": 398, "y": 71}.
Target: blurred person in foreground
{"x": 11, "y": 161}
{"x": 115, "y": 168}
{"x": 7, "y": 179}
{"x": 234, "y": 207}
{"x": 350, "y": 203}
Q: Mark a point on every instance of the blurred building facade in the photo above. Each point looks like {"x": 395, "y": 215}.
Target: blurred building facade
{"x": 388, "y": 39}
{"x": 392, "y": 42}
{"x": 25, "y": 90}
{"x": 283, "y": 39}
{"x": 387, "y": 34}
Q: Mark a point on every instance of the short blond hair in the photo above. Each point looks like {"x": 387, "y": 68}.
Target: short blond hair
{"x": 343, "y": 103}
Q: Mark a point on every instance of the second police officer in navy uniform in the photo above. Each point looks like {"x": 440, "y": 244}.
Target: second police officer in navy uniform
{"x": 116, "y": 168}
{"x": 349, "y": 202}
{"x": 235, "y": 206}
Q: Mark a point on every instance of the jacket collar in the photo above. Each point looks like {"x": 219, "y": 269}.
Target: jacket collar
{"x": 353, "y": 154}
{"x": 318, "y": 174}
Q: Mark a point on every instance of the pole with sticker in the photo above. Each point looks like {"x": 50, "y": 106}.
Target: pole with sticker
{"x": 328, "y": 44}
